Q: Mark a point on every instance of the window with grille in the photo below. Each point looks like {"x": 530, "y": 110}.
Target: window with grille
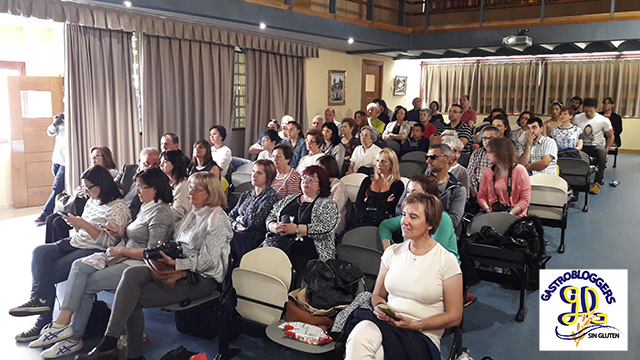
{"x": 239, "y": 90}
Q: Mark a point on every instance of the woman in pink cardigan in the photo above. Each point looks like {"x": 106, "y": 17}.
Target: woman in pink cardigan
{"x": 505, "y": 185}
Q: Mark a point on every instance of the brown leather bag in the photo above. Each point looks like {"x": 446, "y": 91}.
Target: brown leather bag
{"x": 295, "y": 312}
{"x": 165, "y": 275}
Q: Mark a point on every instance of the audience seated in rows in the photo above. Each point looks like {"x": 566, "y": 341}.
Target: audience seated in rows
{"x": 385, "y": 112}
{"x": 453, "y": 194}
{"x": 330, "y": 117}
{"x": 360, "y": 118}
{"x": 287, "y": 180}
{"x": 378, "y": 195}
{"x": 284, "y": 126}
{"x": 414, "y": 114}
{"x": 445, "y": 235}
{"x": 415, "y": 142}
{"x": 148, "y": 158}
{"x": 505, "y": 185}
{"x": 616, "y": 121}
{"x": 501, "y": 122}
{"x": 554, "y": 122}
{"x": 468, "y": 116}
{"x": 317, "y": 122}
{"x": 51, "y": 263}
{"x": 436, "y": 119}
{"x": 314, "y": 141}
{"x": 250, "y": 213}
{"x": 494, "y": 114}
{"x": 172, "y": 165}
{"x": 540, "y": 153}
{"x": 421, "y": 281}
{"x": 296, "y": 142}
{"x": 331, "y": 144}
{"x": 598, "y": 137}
{"x": 364, "y": 156}
{"x": 430, "y": 126}
{"x": 103, "y": 270}
{"x": 205, "y": 236}
{"x": 304, "y": 225}
{"x": 338, "y": 188}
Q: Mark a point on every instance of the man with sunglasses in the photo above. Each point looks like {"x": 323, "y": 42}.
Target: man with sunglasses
{"x": 463, "y": 130}
{"x": 453, "y": 194}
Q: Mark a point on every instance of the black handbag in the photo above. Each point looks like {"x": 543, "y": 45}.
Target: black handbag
{"x": 279, "y": 241}
{"x": 70, "y": 204}
{"x": 331, "y": 283}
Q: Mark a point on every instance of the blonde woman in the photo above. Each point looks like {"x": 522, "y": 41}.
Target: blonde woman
{"x": 379, "y": 194}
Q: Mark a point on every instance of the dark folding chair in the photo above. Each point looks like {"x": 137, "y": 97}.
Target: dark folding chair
{"x": 577, "y": 174}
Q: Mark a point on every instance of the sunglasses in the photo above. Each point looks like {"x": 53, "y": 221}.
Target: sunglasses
{"x": 434, "y": 156}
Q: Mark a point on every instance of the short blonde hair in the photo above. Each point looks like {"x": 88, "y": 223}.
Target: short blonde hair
{"x": 392, "y": 158}
{"x": 212, "y": 186}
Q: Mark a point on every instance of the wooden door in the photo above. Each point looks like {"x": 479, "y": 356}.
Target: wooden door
{"x": 371, "y": 82}
{"x": 33, "y": 101}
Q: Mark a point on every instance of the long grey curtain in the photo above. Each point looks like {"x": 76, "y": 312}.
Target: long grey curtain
{"x": 100, "y": 99}
{"x": 275, "y": 87}
{"x": 187, "y": 87}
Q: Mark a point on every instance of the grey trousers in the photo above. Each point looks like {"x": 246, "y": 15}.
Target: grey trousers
{"x": 136, "y": 291}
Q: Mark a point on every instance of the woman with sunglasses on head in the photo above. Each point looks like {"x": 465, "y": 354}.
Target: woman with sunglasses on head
{"x": 172, "y": 165}
{"x": 505, "y": 185}
{"x": 306, "y": 221}
{"x": 153, "y": 226}
{"x": 51, "y": 263}
{"x": 204, "y": 237}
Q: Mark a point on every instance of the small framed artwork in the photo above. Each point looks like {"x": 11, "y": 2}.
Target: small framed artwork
{"x": 400, "y": 86}
{"x": 337, "y": 87}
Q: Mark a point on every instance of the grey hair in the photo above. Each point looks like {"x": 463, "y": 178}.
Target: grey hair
{"x": 428, "y": 111}
{"x": 147, "y": 150}
{"x": 453, "y": 142}
{"x": 372, "y": 105}
{"x": 319, "y": 116}
{"x": 444, "y": 148}
{"x": 372, "y": 131}
{"x": 449, "y": 132}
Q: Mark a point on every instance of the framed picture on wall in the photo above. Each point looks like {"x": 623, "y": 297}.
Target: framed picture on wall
{"x": 400, "y": 86}
{"x": 337, "y": 87}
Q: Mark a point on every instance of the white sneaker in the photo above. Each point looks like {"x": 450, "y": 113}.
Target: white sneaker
{"x": 51, "y": 334}
{"x": 62, "y": 348}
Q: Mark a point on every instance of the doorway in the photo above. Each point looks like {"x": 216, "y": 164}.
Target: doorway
{"x": 371, "y": 82}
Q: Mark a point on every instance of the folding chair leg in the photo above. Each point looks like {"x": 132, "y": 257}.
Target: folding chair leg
{"x": 586, "y": 200}
{"x": 224, "y": 352}
{"x": 522, "y": 312}
{"x": 561, "y": 247}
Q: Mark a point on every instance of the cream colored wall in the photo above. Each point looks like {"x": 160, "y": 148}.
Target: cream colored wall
{"x": 42, "y": 51}
{"x": 317, "y": 81}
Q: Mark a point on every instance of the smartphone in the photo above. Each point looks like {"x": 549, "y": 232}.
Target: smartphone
{"x": 387, "y": 310}
{"x": 63, "y": 213}
{"x": 285, "y": 219}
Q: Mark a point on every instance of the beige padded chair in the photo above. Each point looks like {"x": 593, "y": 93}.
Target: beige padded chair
{"x": 352, "y": 182}
{"x": 262, "y": 284}
{"x": 549, "y": 202}
{"x": 242, "y": 174}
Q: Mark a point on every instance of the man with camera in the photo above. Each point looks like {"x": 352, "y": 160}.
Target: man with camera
{"x": 539, "y": 153}
{"x": 57, "y": 130}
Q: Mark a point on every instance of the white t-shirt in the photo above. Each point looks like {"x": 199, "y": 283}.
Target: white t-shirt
{"x": 265, "y": 155}
{"x": 414, "y": 282}
{"x": 222, "y": 157}
{"x": 307, "y": 161}
{"x": 593, "y": 129}
{"x": 362, "y": 158}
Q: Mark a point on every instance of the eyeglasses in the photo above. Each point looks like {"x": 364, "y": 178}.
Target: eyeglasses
{"x": 141, "y": 188}
{"x": 96, "y": 156}
{"x": 309, "y": 179}
{"x": 195, "y": 189}
{"x": 434, "y": 156}
{"x": 309, "y": 141}
{"x": 488, "y": 138}
{"x": 88, "y": 188}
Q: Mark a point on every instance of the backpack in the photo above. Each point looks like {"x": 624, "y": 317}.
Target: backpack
{"x": 98, "y": 320}
{"x": 529, "y": 233}
{"x": 331, "y": 283}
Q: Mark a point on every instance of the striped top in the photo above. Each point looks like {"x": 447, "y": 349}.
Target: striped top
{"x": 287, "y": 184}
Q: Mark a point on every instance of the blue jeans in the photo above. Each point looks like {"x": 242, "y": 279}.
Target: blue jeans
{"x": 83, "y": 284}
{"x": 50, "y": 265}
{"x": 56, "y": 188}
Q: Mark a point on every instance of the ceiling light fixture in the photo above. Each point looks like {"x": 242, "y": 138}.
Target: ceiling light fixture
{"x": 263, "y": 26}
{"x": 350, "y": 41}
{"x": 128, "y": 3}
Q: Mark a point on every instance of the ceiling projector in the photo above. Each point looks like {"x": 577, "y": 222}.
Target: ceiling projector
{"x": 517, "y": 40}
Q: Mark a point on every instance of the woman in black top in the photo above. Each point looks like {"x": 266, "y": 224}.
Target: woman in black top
{"x": 379, "y": 195}
{"x": 201, "y": 159}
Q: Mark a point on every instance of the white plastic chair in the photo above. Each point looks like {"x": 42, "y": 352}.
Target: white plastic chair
{"x": 352, "y": 182}
{"x": 549, "y": 202}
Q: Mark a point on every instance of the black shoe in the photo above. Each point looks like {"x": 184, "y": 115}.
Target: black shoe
{"x": 34, "y": 306}
{"x": 29, "y": 335}
{"x": 96, "y": 354}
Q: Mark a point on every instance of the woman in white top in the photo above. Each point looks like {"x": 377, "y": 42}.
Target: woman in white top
{"x": 338, "y": 188}
{"x": 313, "y": 141}
{"x": 173, "y": 166}
{"x": 365, "y": 155}
{"x": 397, "y": 129}
{"x": 220, "y": 153}
{"x": 420, "y": 281}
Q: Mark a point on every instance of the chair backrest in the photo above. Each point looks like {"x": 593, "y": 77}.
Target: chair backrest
{"x": 365, "y": 236}
{"x": 393, "y": 145}
{"x": 547, "y": 202}
{"x": 405, "y": 181}
{"x": 575, "y": 172}
{"x": 242, "y": 174}
{"x": 352, "y": 183}
{"x": 415, "y": 156}
{"x": 243, "y": 187}
{"x": 367, "y": 259}
{"x": 268, "y": 260}
{"x": 500, "y": 221}
{"x": 549, "y": 180}
{"x": 409, "y": 168}
{"x": 263, "y": 289}
{"x": 245, "y": 168}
